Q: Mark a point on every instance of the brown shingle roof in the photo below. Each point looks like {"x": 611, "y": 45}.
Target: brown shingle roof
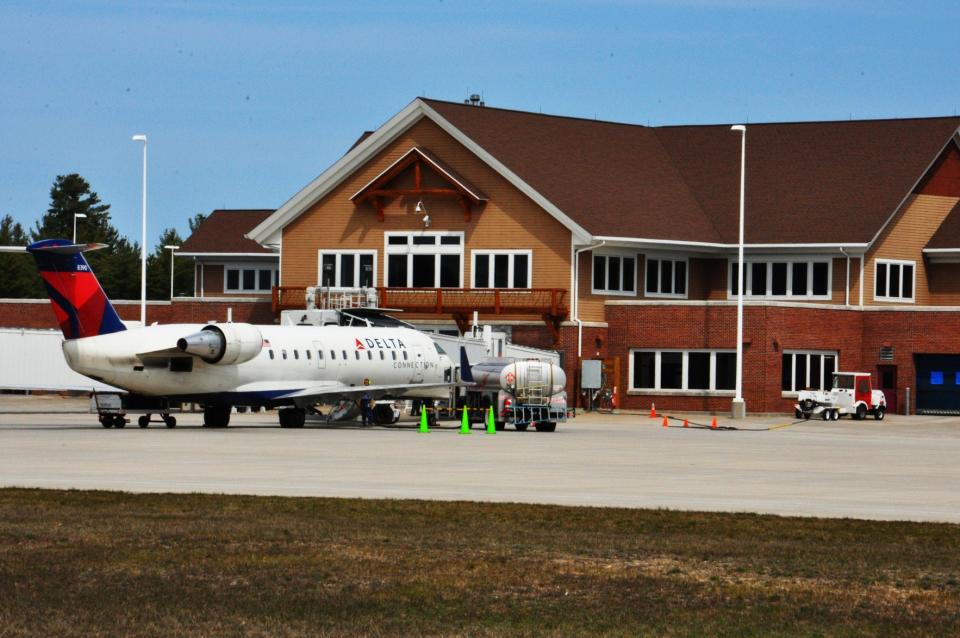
{"x": 223, "y": 232}
{"x": 948, "y": 235}
{"x": 809, "y": 182}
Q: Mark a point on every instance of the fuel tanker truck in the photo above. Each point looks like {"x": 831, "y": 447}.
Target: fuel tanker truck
{"x": 522, "y": 392}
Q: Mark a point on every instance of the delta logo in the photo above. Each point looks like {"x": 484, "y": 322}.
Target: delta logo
{"x": 383, "y": 344}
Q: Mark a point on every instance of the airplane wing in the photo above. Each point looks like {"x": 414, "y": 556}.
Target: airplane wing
{"x": 327, "y": 390}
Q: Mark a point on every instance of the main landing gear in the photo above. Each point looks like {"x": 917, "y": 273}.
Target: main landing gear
{"x": 216, "y": 416}
{"x": 292, "y": 417}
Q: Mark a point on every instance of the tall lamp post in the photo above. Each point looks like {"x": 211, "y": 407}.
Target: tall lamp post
{"x": 75, "y": 216}
{"x": 171, "y": 249}
{"x": 143, "y": 236}
{"x": 738, "y": 409}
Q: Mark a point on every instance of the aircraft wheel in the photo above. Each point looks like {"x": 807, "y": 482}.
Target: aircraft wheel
{"x": 143, "y": 421}
{"x": 546, "y": 426}
{"x": 521, "y": 427}
{"x": 879, "y": 413}
{"x": 216, "y": 416}
{"x": 170, "y": 421}
{"x": 292, "y": 417}
{"x": 861, "y": 412}
{"x": 119, "y": 421}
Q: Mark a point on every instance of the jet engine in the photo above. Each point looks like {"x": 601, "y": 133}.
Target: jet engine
{"x": 224, "y": 344}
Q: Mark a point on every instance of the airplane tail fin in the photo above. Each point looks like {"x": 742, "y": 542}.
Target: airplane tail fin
{"x": 466, "y": 374}
{"x": 81, "y": 306}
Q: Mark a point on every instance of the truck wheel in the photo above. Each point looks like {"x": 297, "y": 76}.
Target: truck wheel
{"x": 861, "y": 412}
{"x": 546, "y": 426}
{"x": 836, "y": 415}
{"x": 500, "y": 425}
{"x": 143, "y": 421}
{"x": 521, "y": 427}
{"x": 119, "y": 421}
{"x": 106, "y": 421}
{"x": 797, "y": 414}
{"x": 825, "y": 415}
{"x": 170, "y": 421}
{"x": 879, "y": 413}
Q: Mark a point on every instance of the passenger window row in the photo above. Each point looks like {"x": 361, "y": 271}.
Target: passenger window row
{"x": 333, "y": 354}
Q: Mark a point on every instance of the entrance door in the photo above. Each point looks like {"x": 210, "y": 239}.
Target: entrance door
{"x": 887, "y": 382}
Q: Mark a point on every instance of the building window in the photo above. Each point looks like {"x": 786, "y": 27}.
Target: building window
{"x": 347, "y": 268}
{"x": 502, "y": 268}
{"x": 249, "y": 278}
{"x": 424, "y": 260}
{"x": 614, "y": 274}
{"x": 666, "y": 277}
{"x": 894, "y": 280}
{"x": 807, "y": 370}
{"x": 794, "y": 279}
{"x": 683, "y": 370}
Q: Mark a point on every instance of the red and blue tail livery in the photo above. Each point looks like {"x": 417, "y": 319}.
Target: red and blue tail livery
{"x": 81, "y": 306}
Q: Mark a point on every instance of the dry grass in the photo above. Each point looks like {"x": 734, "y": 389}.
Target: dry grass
{"x": 96, "y": 563}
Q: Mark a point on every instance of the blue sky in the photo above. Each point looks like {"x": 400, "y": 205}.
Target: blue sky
{"x": 244, "y": 103}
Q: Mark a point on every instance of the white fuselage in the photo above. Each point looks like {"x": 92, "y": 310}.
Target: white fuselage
{"x": 292, "y": 358}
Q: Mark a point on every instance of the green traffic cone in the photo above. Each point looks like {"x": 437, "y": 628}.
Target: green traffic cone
{"x": 424, "y": 428}
{"x": 465, "y": 422}
{"x": 491, "y": 424}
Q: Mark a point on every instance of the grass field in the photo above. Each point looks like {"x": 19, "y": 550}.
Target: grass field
{"x": 97, "y": 563}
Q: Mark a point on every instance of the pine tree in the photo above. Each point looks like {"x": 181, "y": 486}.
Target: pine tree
{"x": 117, "y": 266}
{"x": 20, "y": 279}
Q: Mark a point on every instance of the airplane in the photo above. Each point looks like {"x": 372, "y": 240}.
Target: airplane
{"x": 221, "y": 365}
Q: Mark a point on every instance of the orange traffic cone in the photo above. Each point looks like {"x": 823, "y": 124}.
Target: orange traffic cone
{"x": 665, "y": 421}
{"x": 653, "y": 410}
{"x": 686, "y": 423}
{"x": 713, "y": 423}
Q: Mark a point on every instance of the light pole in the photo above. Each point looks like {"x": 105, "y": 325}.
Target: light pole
{"x": 739, "y": 408}
{"x": 171, "y": 249}
{"x": 75, "y": 216}
{"x": 143, "y": 236}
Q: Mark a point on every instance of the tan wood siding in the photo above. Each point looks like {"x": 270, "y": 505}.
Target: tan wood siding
{"x": 212, "y": 280}
{"x": 509, "y": 220}
{"x": 904, "y": 239}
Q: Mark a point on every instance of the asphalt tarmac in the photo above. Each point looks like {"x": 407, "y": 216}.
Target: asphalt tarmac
{"x": 903, "y": 468}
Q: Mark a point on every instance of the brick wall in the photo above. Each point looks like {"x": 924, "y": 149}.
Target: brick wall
{"x": 15, "y": 313}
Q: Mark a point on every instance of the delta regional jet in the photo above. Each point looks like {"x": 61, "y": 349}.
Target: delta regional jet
{"x": 221, "y": 365}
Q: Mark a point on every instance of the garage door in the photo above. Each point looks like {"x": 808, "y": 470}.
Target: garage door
{"x": 938, "y": 383}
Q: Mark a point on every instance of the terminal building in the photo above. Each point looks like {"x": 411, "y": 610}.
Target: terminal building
{"x": 618, "y": 242}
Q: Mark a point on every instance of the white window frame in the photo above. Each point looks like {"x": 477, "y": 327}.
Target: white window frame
{"x": 662, "y": 258}
{"x": 241, "y": 266}
{"x": 490, "y": 275}
{"x": 356, "y": 267}
{"x": 684, "y": 390}
{"x": 877, "y": 262}
{"x": 410, "y": 249}
{"x": 769, "y": 260}
{"x": 607, "y": 256}
{"x": 793, "y": 368}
